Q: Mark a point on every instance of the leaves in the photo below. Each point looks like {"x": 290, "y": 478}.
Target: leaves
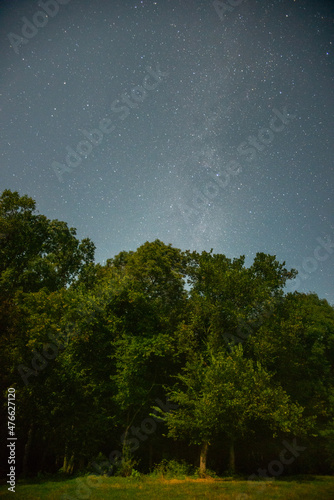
{"x": 221, "y": 340}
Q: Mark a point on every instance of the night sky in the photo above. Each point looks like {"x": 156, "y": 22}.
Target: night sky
{"x": 204, "y": 124}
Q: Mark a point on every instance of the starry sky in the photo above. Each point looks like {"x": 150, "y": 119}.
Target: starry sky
{"x": 204, "y": 124}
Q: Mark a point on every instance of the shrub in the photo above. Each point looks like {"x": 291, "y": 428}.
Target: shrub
{"x": 126, "y": 466}
{"x": 172, "y": 469}
{"x": 208, "y": 473}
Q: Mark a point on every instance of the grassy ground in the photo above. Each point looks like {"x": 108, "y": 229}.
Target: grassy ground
{"x": 148, "y": 488}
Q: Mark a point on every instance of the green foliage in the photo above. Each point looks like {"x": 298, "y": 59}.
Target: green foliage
{"x": 173, "y": 469}
{"x": 219, "y": 392}
{"x": 209, "y": 473}
{"x": 36, "y": 252}
{"x": 126, "y": 466}
{"x": 297, "y": 345}
{"x": 227, "y": 297}
{"x": 236, "y": 356}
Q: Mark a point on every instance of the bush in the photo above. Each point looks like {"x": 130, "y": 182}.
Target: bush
{"x": 125, "y": 467}
{"x": 135, "y": 474}
{"x": 208, "y": 473}
{"x": 172, "y": 469}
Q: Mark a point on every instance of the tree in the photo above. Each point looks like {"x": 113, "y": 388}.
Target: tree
{"x": 39, "y": 259}
{"x": 92, "y": 347}
{"x": 226, "y": 296}
{"x": 225, "y": 392}
{"x": 36, "y": 252}
{"x": 155, "y": 296}
{"x": 145, "y": 315}
{"x": 297, "y": 343}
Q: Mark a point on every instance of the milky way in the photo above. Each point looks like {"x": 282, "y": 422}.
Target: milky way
{"x": 204, "y": 124}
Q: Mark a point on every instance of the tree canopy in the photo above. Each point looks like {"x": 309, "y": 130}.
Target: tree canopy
{"x": 160, "y": 353}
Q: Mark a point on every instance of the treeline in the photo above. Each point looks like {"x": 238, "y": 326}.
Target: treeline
{"x": 160, "y": 354}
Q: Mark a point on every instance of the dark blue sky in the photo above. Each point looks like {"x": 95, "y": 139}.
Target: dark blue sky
{"x": 212, "y": 125}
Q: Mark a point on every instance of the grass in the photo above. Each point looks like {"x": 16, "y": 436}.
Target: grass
{"x": 91, "y": 487}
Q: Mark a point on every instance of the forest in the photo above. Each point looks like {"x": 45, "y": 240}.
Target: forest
{"x": 159, "y": 357}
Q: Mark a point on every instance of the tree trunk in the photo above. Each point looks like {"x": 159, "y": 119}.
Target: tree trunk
{"x": 68, "y": 466}
{"x": 232, "y": 457}
{"x": 68, "y": 463}
{"x": 27, "y": 449}
{"x": 202, "y": 458}
{"x": 65, "y": 461}
{"x": 71, "y": 465}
